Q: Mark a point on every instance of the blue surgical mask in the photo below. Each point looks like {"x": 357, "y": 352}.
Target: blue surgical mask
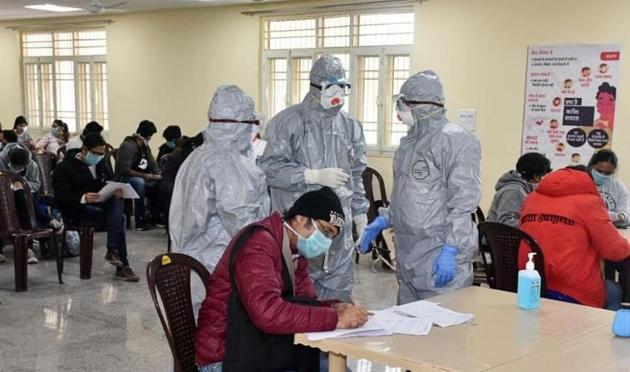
{"x": 56, "y": 132}
{"x": 92, "y": 159}
{"x": 171, "y": 144}
{"x": 600, "y": 179}
{"x": 315, "y": 245}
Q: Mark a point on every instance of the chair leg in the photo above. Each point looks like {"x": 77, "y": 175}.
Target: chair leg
{"x": 59, "y": 250}
{"x": 85, "y": 253}
{"x": 20, "y": 247}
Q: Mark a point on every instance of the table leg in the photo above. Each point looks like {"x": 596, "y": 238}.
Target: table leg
{"x": 336, "y": 362}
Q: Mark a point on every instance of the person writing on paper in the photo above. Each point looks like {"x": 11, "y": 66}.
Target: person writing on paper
{"x": 603, "y": 166}
{"x": 437, "y": 187}
{"x": 566, "y": 217}
{"x": 513, "y": 187}
{"x": 274, "y": 295}
{"x": 77, "y": 181}
{"x": 218, "y": 189}
{"x": 313, "y": 144}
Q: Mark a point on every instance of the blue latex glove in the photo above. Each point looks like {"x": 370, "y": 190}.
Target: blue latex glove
{"x": 444, "y": 266}
{"x": 371, "y": 231}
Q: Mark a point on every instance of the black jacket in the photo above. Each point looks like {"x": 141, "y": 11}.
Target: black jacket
{"x": 72, "y": 179}
{"x": 134, "y": 154}
{"x": 163, "y": 150}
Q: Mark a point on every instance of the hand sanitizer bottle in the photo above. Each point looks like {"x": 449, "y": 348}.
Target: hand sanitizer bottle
{"x": 529, "y": 286}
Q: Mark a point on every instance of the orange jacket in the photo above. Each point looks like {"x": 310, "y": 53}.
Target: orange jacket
{"x": 568, "y": 219}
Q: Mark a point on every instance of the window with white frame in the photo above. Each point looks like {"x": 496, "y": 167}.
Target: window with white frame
{"x": 65, "y": 77}
{"x": 374, "y": 49}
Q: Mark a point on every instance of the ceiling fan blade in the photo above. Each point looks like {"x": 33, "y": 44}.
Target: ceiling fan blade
{"x": 115, "y": 5}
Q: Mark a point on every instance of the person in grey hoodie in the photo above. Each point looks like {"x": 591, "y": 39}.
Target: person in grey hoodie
{"x": 513, "y": 187}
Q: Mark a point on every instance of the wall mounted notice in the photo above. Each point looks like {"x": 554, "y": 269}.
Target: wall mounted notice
{"x": 570, "y": 101}
{"x": 467, "y": 118}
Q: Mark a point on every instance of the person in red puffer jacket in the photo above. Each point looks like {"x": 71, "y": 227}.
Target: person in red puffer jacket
{"x": 306, "y": 231}
{"x": 568, "y": 219}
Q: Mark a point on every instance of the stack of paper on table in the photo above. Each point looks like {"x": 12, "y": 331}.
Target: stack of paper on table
{"x": 414, "y": 319}
{"x": 370, "y": 328}
{"x": 401, "y": 324}
{"x": 434, "y": 313}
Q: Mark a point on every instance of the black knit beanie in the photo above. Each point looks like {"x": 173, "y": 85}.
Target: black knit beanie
{"x": 322, "y": 204}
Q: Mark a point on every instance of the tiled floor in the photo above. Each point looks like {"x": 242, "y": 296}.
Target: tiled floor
{"x": 106, "y": 325}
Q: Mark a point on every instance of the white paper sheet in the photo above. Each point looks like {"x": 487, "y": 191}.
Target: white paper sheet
{"x": 369, "y": 329}
{"x": 110, "y": 188}
{"x": 434, "y": 313}
{"x": 402, "y": 324}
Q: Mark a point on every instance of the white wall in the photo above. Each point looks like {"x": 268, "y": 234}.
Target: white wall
{"x": 479, "y": 48}
{"x": 10, "y": 85}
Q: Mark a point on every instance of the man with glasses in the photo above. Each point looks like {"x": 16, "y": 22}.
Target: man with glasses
{"x": 314, "y": 144}
{"x": 437, "y": 186}
{"x": 77, "y": 182}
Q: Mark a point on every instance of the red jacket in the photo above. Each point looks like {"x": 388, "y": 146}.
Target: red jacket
{"x": 568, "y": 219}
{"x": 259, "y": 280}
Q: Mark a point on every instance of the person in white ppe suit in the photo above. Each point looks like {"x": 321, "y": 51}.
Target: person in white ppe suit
{"x": 314, "y": 144}
{"x": 436, "y": 188}
{"x": 218, "y": 189}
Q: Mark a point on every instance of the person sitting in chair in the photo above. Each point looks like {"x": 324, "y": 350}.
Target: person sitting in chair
{"x": 261, "y": 293}
{"x": 77, "y": 181}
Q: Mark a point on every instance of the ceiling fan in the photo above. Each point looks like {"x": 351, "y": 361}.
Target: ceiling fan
{"x": 97, "y": 6}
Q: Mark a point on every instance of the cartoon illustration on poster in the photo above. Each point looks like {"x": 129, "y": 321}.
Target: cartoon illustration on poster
{"x": 570, "y": 101}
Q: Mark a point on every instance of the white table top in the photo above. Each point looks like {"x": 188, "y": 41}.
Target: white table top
{"x": 500, "y": 334}
{"x": 599, "y": 350}
{"x": 625, "y": 233}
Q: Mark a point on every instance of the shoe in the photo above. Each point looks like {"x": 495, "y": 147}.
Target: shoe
{"x": 30, "y": 257}
{"x": 126, "y": 275}
{"x": 113, "y": 258}
{"x": 2, "y": 258}
{"x": 143, "y": 226}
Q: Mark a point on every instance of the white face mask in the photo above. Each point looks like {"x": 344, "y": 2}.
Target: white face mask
{"x": 407, "y": 118}
{"x": 333, "y": 97}
{"x": 335, "y": 101}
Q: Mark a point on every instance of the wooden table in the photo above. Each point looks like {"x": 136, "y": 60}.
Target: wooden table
{"x": 501, "y": 334}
